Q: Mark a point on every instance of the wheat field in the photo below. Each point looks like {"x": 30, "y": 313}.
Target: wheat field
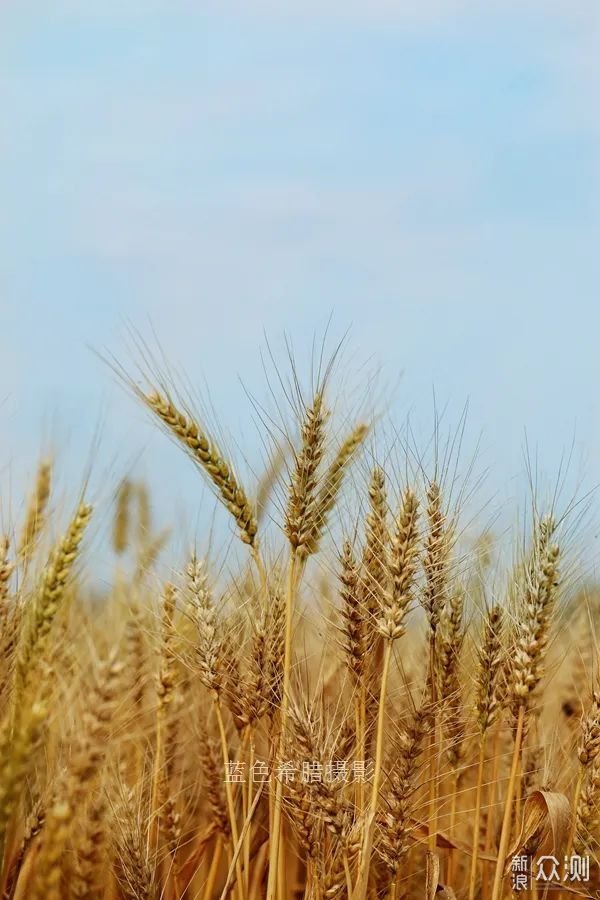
{"x": 361, "y": 704}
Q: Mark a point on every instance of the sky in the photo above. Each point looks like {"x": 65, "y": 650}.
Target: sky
{"x": 214, "y": 176}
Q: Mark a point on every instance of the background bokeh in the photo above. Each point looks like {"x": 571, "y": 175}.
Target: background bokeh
{"x": 427, "y": 174}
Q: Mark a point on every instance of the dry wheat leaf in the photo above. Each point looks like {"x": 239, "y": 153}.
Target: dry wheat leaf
{"x": 549, "y": 812}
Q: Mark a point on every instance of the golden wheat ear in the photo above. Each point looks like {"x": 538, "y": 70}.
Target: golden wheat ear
{"x": 19, "y": 740}
{"x": 122, "y": 518}
{"x": 436, "y": 557}
{"x": 394, "y": 602}
{"x": 536, "y": 602}
{"x": 205, "y": 453}
{"x": 134, "y": 865}
{"x": 488, "y": 701}
{"x": 375, "y": 570}
{"x": 46, "y": 602}
{"x": 89, "y": 871}
{"x": 354, "y": 627}
{"x": 301, "y": 510}
{"x": 399, "y": 796}
{"x": 332, "y": 483}
{"x": 6, "y": 567}
{"x": 209, "y": 639}
{"x": 34, "y": 518}
{"x": 86, "y": 761}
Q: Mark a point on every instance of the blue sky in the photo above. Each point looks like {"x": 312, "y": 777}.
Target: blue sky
{"x": 427, "y": 173}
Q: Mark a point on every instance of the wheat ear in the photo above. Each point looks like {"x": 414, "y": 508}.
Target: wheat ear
{"x": 6, "y": 568}
{"x": 136, "y": 868}
{"x": 165, "y": 689}
{"x": 34, "y": 518}
{"x": 18, "y": 742}
{"x": 433, "y": 599}
{"x": 205, "y": 453}
{"x": 375, "y": 586}
{"x": 298, "y": 526}
{"x": 333, "y": 812}
{"x": 47, "y": 601}
{"x": 211, "y": 671}
{"x": 332, "y": 483}
{"x": 588, "y": 751}
{"x": 538, "y": 598}
{"x": 87, "y": 883}
{"x": 10, "y": 623}
{"x": 33, "y": 826}
{"x": 395, "y": 600}
{"x": 393, "y": 604}
{"x": 301, "y": 513}
{"x": 451, "y": 637}
{"x": 488, "y": 704}
{"x": 88, "y": 755}
{"x": 122, "y": 518}
{"x": 395, "y": 818}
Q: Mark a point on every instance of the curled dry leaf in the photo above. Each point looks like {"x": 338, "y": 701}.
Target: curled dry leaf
{"x": 548, "y": 814}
